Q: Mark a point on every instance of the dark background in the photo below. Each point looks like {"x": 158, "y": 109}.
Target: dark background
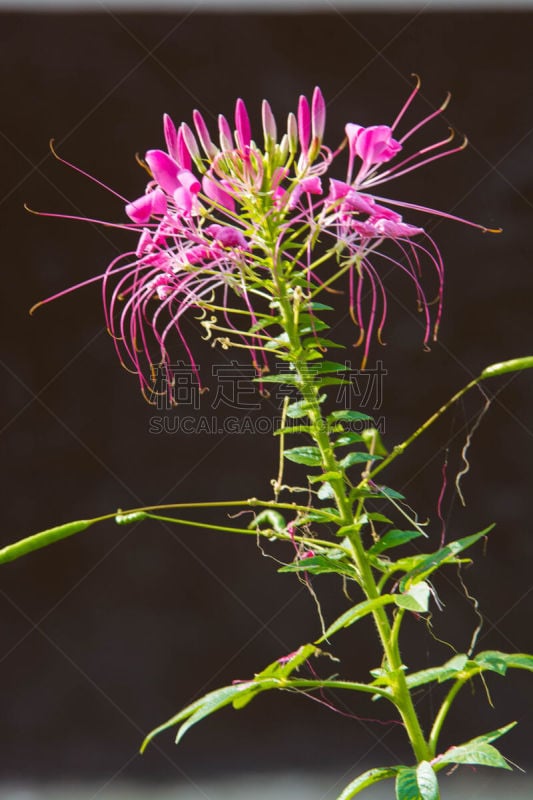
{"x": 107, "y": 634}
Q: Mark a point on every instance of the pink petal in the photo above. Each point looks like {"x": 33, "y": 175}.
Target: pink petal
{"x": 242, "y": 124}
{"x": 164, "y": 169}
{"x": 318, "y": 114}
{"x": 215, "y": 192}
{"x": 226, "y": 139}
{"x": 304, "y": 123}
{"x": 171, "y": 136}
{"x": 189, "y": 181}
{"x": 141, "y": 210}
{"x": 376, "y": 145}
{"x": 203, "y": 134}
{"x": 269, "y": 123}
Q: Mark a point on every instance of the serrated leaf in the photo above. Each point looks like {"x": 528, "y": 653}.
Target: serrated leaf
{"x": 356, "y": 613}
{"x": 485, "y": 754}
{"x": 367, "y": 779}
{"x": 201, "y": 708}
{"x": 357, "y": 458}
{"x": 393, "y": 538}
{"x": 416, "y": 599}
{"x": 308, "y": 455}
{"x": 478, "y": 751}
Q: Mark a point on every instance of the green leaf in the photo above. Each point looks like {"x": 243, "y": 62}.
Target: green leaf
{"x": 416, "y": 599}
{"x": 451, "y": 669}
{"x": 393, "y": 538}
{"x": 324, "y": 476}
{"x": 484, "y": 754}
{"x": 390, "y": 493}
{"x": 407, "y": 785}
{"x": 477, "y": 751}
{"x": 320, "y": 515}
{"x": 298, "y": 409}
{"x": 201, "y": 708}
{"x": 272, "y": 518}
{"x": 320, "y": 342}
{"x": 367, "y": 779}
{"x": 514, "y": 365}
{"x": 357, "y": 458}
{"x": 329, "y": 366}
{"x": 418, "y": 783}
{"x": 348, "y": 438}
{"x": 356, "y": 613}
{"x": 307, "y": 454}
{"x": 320, "y": 564}
{"x": 500, "y": 662}
{"x": 375, "y": 516}
{"x": 447, "y": 554}
{"x": 427, "y": 781}
{"x": 284, "y": 667}
{"x": 347, "y": 415}
{"x": 315, "y": 306}
{"x": 284, "y": 377}
{"x": 326, "y": 492}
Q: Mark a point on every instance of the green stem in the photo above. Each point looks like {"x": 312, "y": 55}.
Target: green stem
{"x": 400, "y": 694}
{"x": 400, "y": 448}
{"x": 443, "y": 713}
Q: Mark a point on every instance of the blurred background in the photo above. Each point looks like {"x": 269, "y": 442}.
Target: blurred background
{"x": 106, "y": 635}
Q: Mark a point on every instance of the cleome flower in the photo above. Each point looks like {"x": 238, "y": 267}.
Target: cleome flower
{"x": 217, "y": 211}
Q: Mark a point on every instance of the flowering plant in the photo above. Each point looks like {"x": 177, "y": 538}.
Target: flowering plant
{"x": 252, "y": 239}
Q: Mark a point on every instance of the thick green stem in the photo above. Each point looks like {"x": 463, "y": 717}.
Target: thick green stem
{"x": 400, "y": 694}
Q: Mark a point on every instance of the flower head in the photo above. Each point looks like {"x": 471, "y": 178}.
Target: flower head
{"x": 220, "y": 212}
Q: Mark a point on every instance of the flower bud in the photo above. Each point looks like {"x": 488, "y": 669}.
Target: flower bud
{"x": 209, "y": 147}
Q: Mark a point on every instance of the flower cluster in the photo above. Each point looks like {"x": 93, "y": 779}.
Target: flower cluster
{"x": 215, "y": 214}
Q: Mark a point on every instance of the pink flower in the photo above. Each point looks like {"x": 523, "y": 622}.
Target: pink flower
{"x": 212, "y": 215}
